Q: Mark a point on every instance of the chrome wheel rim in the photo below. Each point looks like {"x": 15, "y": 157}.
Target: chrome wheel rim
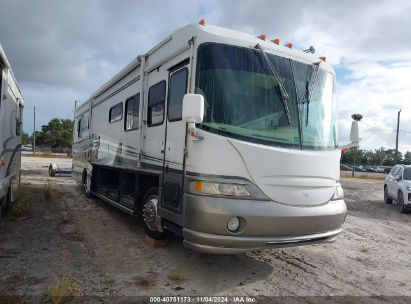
{"x": 150, "y": 214}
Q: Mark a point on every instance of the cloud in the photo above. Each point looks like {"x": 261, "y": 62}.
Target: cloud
{"x": 64, "y": 50}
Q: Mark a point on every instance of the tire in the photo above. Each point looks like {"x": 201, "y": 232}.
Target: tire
{"x": 87, "y": 185}
{"x": 150, "y": 199}
{"x": 387, "y": 198}
{"x": 2, "y": 208}
{"x": 400, "y": 202}
{"x": 4, "y": 204}
{"x": 52, "y": 173}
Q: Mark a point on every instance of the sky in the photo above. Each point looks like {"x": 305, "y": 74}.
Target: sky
{"x": 62, "y": 51}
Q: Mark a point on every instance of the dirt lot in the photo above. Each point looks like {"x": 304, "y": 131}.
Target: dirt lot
{"x": 99, "y": 251}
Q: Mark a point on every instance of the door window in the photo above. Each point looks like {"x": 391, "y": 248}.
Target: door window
{"x": 177, "y": 90}
{"x": 132, "y": 113}
{"x": 156, "y": 97}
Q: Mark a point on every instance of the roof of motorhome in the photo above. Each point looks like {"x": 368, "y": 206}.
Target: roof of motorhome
{"x": 219, "y": 33}
{"x": 6, "y": 64}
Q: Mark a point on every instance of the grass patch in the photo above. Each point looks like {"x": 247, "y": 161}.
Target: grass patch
{"x": 45, "y": 155}
{"x": 66, "y": 288}
{"x": 65, "y": 291}
{"x": 364, "y": 249}
{"x": 47, "y": 191}
{"x": 19, "y": 207}
{"x": 372, "y": 176}
{"x": 176, "y": 277}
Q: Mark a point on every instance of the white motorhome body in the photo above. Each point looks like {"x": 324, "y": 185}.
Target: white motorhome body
{"x": 261, "y": 170}
{"x": 11, "y": 115}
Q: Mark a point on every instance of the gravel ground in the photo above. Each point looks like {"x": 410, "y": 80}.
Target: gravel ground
{"x": 86, "y": 241}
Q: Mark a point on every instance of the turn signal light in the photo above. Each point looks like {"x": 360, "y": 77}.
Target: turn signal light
{"x": 202, "y": 22}
{"x": 263, "y": 37}
{"x": 323, "y": 58}
{"x": 276, "y": 41}
{"x": 289, "y": 45}
{"x": 198, "y": 187}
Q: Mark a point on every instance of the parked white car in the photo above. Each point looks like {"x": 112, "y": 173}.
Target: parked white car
{"x": 397, "y": 186}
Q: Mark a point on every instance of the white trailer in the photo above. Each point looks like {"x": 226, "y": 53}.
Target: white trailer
{"x": 227, "y": 139}
{"x": 11, "y": 115}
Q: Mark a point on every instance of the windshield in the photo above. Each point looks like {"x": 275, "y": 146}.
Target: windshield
{"x": 407, "y": 174}
{"x": 242, "y": 98}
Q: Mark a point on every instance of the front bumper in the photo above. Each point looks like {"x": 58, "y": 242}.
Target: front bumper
{"x": 263, "y": 224}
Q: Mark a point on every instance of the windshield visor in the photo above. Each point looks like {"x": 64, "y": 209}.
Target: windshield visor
{"x": 242, "y": 98}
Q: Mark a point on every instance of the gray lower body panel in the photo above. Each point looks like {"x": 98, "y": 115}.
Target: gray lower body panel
{"x": 262, "y": 224}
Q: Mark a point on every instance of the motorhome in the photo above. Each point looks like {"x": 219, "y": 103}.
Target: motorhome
{"x": 11, "y": 115}
{"x": 225, "y": 138}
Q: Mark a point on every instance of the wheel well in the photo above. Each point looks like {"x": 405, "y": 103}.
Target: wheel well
{"x": 147, "y": 181}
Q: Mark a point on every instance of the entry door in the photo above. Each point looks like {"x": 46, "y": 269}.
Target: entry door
{"x": 175, "y": 138}
{"x": 153, "y": 148}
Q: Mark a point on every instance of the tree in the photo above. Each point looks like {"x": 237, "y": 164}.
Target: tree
{"x": 407, "y": 158}
{"x": 56, "y": 134}
{"x": 25, "y": 139}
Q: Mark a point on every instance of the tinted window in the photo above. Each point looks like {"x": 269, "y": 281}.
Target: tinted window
{"x": 132, "y": 112}
{"x": 177, "y": 90}
{"x": 156, "y": 96}
{"x": 19, "y": 120}
{"x": 116, "y": 112}
{"x": 79, "y": 128}
{"x": 407, "y": 174}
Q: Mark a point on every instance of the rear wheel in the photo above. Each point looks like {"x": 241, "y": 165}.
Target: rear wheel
{"x": 400, "y": 202}
{"x": 387, "y": 198}
{"x": 87, "y": 184}
{"x": 152, "y": 221}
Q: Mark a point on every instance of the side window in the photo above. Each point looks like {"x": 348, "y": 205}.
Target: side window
{"x": 19, "y": 120}
{"x": 399, "y": 172}
{"x": 156, "y": 96}
{"x": 393, "y": 171}
{"x": 177, "y": 90}
{"x": 79, "y": 128}
{"x": 116, "y": 112}
{"x": 132, "y": 113}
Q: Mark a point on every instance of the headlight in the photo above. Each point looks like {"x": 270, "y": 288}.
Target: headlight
{"x": 408, "y": 188}
{"x": 213, "y": 188}
{"x": 339, "y": 193}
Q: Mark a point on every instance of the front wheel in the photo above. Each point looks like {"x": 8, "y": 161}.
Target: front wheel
{"x": 4, "y": 203}
{"x": 152, "y": 221}
{"x": 400, "y": 202}
{"x": 387, "y": 198}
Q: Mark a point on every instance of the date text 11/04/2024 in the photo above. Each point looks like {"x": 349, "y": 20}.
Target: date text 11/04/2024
{"x": 205, "y": 299}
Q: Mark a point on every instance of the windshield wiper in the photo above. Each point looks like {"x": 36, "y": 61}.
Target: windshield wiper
{"x": 311, "y": 85}
{"x": 283, "y": 92}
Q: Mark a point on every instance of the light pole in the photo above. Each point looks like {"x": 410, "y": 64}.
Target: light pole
{"x": 396, "y": 140}
{"x": 354, "y": 138}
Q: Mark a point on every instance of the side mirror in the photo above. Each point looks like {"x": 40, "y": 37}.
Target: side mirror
{"x": 397, "y": 177}
{"x": 354, "y": 134}
{"x": 193, "y": 108}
